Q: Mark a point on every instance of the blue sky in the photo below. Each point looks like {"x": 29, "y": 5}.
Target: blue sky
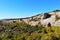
{"x": 26, "y": 8}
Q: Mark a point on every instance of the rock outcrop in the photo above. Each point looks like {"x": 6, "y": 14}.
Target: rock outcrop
{"x": 53, "y": 19}
{"x": 45, "y": 19}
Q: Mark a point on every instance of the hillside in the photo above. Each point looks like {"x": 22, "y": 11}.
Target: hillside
{"x": 45, "y": 26}
{"x": 44, "y": 19}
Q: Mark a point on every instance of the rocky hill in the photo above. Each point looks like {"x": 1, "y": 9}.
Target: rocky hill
{"x": 52, "y": 18}
{"x": 45, "y": 26}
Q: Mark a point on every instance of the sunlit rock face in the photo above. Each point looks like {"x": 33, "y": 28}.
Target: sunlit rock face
{"x": 52, "y": 18}
{"x": 57, "y": 23}
{"x": 45, "y": 19}
{"x": 58, "y": 14}
{"x": 33, "y": 23}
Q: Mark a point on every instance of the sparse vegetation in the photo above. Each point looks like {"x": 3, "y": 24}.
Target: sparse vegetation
{"x": 23, "y": 31}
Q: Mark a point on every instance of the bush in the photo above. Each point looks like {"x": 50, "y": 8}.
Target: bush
{"x": 22, "y": 31}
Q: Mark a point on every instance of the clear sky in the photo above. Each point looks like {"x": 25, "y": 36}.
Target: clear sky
{"x": 26, "y": 8}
